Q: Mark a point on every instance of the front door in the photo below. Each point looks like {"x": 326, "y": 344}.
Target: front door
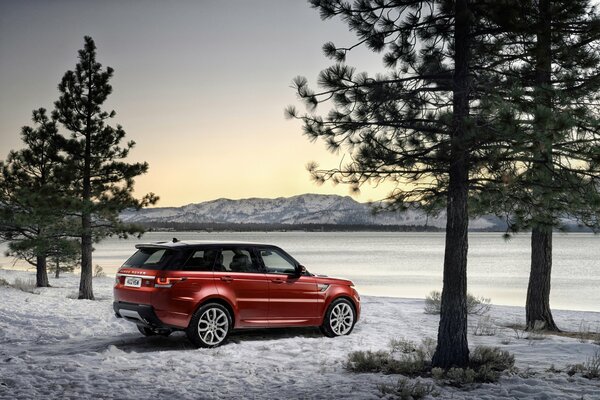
{"x": 293, "y": 298}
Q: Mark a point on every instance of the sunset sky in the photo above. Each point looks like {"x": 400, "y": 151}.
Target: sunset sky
{"x": 199, "y": 85}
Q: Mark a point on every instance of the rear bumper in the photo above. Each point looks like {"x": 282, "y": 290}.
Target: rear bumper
{"x": 141, "y": 314}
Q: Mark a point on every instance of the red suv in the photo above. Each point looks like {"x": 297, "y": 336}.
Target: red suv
{"x": 209, "y": 288}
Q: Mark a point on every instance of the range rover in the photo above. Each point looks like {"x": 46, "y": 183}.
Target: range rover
{"x": 207, "y": 289}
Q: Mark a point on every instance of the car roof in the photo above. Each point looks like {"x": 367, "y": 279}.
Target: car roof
{"x": 194, "y": 243}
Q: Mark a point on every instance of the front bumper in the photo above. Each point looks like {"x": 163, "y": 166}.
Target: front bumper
{"x": 141, "y": 314}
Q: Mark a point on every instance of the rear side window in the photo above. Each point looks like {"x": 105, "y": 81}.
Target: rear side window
{"x": 237, "y": 260}
{"x": 201, "y": 260}
{"x": 150, "y": 258}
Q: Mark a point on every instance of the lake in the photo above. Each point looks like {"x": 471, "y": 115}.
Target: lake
{"x": 409, "y": 264}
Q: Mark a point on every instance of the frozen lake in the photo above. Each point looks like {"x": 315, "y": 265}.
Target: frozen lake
{"x": 409, "y": 264}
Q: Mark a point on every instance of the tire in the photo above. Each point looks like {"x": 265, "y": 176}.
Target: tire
{"x": 210, "y": 326}
{"x": 339, "y": 319}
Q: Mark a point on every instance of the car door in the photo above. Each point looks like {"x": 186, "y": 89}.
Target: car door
{"x": 293, "y": 297}
{"x": 187, "y": 282}
{"x": 241, "y": 280}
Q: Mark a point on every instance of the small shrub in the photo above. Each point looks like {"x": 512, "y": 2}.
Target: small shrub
{"x": 475, "y": 305}
{"x": 592, "y": 366}
{"x": 99, "y": 272}
{"x": 402, "y": 346}
{"x": 485, "y": 327}
{"x": 454, "y": 376}
{"x": 406, "y": 389}
{"x": 409, "y": 363}
{"x": 460, "y": 376}
{"x": 494, "y": 357}
{"x": 368, "y": 361}
{"x": 433, "y": 302}
{"x": 25, "y": 285}
{"x": 382, "y": 361}
{"x": 518, "y": 329}
{"x": 487, "y": 364}
{"x": 4, "y": 282}
{"x": 478, "y": 305}
{"x": 437, "y": 373}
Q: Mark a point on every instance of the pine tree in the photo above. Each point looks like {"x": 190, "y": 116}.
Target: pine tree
{"x": 31, "y": 217}
{"x": 415, "y": 125}
{"x": 64, "y": 256}
{"x": 102, "y": 182}
{"x": 548, "y": 97}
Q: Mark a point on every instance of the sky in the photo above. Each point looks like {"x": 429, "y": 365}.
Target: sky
{"x": 200, "y": 86}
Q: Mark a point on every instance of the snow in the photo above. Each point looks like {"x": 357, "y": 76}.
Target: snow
{"x": 53, "y": 346}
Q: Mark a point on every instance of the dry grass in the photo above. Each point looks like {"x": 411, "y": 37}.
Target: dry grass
{"x": 582, "y": 335}
{"x": 25, "y": 285}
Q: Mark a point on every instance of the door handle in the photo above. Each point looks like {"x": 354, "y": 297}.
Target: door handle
{"x": 277, "y": 281}
{"x": 226, "y": 278}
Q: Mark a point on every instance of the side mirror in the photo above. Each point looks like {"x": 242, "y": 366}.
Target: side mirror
{"x": 301, "y": 270}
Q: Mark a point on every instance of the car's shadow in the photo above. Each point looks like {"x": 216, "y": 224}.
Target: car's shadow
{"x": 179, "y": 341}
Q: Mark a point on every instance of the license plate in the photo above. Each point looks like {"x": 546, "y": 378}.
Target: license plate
{"x": 133, "y": 281}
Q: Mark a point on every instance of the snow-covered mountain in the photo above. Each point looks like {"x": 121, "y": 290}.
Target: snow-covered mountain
{"x": 296, "y": 210}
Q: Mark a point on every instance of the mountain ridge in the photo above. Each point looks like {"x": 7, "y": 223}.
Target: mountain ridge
{"x": 303, "y": 209}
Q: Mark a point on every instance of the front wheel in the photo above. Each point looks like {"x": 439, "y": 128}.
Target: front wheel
{"x": 339, "y": 319}
{"x": 210, "y": 326}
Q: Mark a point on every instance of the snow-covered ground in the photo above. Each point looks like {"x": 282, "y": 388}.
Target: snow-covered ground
{"x": 53, "y": 346}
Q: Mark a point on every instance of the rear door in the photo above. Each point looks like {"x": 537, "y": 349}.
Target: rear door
{"x": 240, "y": 279}
{"x": 184, "y": 284}
{"x": 293, "y": 298}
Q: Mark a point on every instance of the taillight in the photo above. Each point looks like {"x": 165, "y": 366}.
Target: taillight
{"x": 166, "y": 282}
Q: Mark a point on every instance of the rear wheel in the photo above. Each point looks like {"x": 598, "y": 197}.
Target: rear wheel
{"x": 209, "y": 326}
{"x": 339, "y": 319}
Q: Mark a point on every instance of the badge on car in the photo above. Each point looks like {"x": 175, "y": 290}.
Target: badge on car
{"x": 133, "y": 281}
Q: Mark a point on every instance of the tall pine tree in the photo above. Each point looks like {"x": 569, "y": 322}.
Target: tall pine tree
{"x": 101, "y": 181}
{"x": 414, "y": 125}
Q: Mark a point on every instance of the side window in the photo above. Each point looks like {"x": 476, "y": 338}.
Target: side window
{"x": 237, "y": 260}
{"x": 201, "y": 260}
{"x": 275, "y": 263}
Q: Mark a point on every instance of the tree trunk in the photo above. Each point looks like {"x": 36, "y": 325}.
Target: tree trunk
{"x": 537, "y": 307}
{"x": 85, "y": 284}
{"x": 452, "y": 346}
{"x": 538, "y": 314}
{"x": 41, "y": 275}
{"x": 57, "y": 272}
